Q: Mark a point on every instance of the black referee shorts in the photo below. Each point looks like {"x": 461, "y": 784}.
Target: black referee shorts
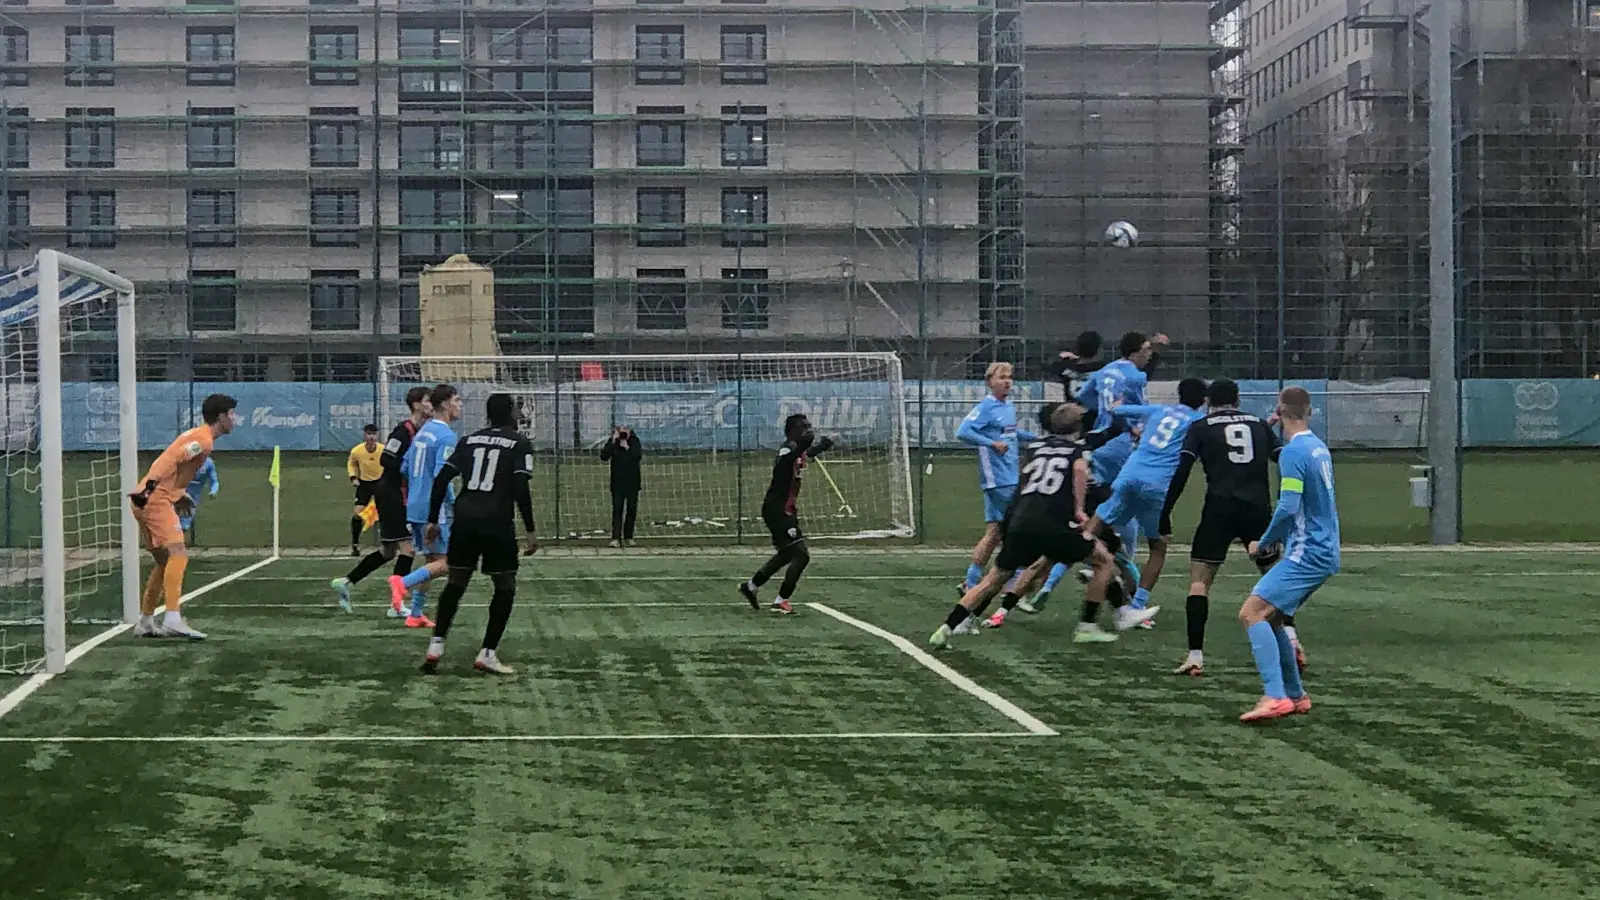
{"x": 1223, "y": 521}
{"x": 785, "y": 529}
{"x": 1023, "y": 548}
{"x": 392, "y": 525}
{"x": 366, "y": 491}
{"x": 493, "y": 551}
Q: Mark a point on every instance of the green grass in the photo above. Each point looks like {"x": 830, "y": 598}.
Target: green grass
{"x": 1450, "y": 753}
{"x": 1532, "y": 497}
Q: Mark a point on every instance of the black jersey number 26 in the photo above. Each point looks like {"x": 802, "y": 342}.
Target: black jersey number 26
{"x": 1046, "y": 474}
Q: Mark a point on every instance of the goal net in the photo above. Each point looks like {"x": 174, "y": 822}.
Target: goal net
{"x": 69, "y": 444}
{"x": 708, "y": 425}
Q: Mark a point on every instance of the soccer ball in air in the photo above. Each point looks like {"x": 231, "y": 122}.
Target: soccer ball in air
{"x": 1122, "y": 234}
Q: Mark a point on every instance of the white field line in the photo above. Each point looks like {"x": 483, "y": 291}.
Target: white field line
{"x": 23, "y": 691}
{"x": 995, "y": 701}
{"x": 735, "y": 603}
{"x": 522, "y": 738}
{"x": 645, "y": 580}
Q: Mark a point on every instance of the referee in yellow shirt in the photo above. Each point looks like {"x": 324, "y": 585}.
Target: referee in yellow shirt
{"x": 365, "y": 467}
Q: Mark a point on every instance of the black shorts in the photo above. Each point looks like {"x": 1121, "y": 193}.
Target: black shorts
{"x": 491, "y": 551}
{"x": 785, "y": 530}
{"x": 392, "y": 525}
{"x": 1223, "y": 521}
{"x": 1022, "y": 549}
{"x": 366, "y": 491}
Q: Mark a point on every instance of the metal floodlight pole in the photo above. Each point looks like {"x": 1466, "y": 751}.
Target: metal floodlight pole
{"x": 1444, "y": 406}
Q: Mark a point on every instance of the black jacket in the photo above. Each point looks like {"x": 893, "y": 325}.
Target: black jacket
{"x": 625, "y": 463}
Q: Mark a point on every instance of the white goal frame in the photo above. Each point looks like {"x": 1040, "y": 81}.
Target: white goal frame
{"x": 52, "y": 268}
{"x": 899, "y": 449}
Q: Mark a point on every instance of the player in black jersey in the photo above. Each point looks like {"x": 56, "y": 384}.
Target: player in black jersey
{"x": 494, "y": 465}
{"x": 1045, "y": 520}
{"x": 390, "y": 498}
{"x": 1234, "y": 448}
{"x": 780, "y": 512}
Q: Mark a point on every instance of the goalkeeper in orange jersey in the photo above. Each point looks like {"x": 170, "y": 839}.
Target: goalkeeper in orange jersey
{"x": 158, "y": 506}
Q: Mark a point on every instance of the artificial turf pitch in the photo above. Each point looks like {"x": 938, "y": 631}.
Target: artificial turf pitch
{"x": 660, "y": 740}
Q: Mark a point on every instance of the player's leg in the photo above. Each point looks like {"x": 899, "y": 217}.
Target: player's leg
{"x": 1020, "y": 584}
{"x": 1147, "y": 514}
{"x": 785, "y": 533}
{"x": 1036, "y": 603}
{"x": 1097, "y": 591}
{"x": 355, "y": 525}
{"x": 449, "y": 603}
{"x": 505, "y": 595}
{"x": 995, "y": 502}
{"x": 161, "y": 522}
{"x": 1252, "y": 524}
{"x": 150, "y": 599}
{"x": 799, "y": 558}
{"x": 1280, "y": 592}
{"x": 415, "y": 583}
{"x": 1208, "y": 550}
{"x": 977, "y": 598}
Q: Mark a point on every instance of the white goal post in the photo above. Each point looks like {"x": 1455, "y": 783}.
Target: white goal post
{"x": 708, "y": 424}
{"x": 70, "y": 543}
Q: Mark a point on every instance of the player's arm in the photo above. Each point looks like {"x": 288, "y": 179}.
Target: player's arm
{"x": 448, "y": 470}
{"x": 210, "y": 468}
{"x": 1274, "y": 443}
{"x": 522, "y": 493}
{"x": 1291, "y": 487}
{"x": 392, "y": 461}
{"x": 1100, "y": 437}
{"x": 1180, "y": 478}
{"x": 1080, "y": 488}
{"x": 352, "y": 466}
{"x": 608, "y": 448}
{"x": 820, "y": 445}
{"x": 971, "y": 430}
{"x": 1129, "y": 411}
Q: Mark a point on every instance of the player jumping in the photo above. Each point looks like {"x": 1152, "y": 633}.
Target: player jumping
{"x": 1140, "y": 491}
{"x": 1233, "y": 447}
{"x": 158, "y": 507}
{"x": 1306, "y": 521}
{"x": 394, "y": 533}
{"x": 780, "y": 512}
{"x": 1046, "y": 521}
{"x": 992, "y": 428}
{"x": 430, "y": 449}
{"x": 496, "y": 464}
{"x": 365, "y": 468}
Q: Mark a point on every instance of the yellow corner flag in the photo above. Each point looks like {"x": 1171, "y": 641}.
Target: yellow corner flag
{"x": 369, "y": 515}
{"x": 272, "y": 476}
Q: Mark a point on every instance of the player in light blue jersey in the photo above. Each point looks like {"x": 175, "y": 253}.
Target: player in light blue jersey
{"x": 1306, "y": 523}
{"x": 205, "y": 477}
{"x": 424, "y": 459}
{"x": 1140, "y": 491}
{"x": 992, "y": 428}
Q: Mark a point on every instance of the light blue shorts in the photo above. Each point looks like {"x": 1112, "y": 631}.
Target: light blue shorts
{"x": 1133, "y": 501}
{"x": 437, "y": 548}
{"x": 996, "y": 501}
{"x": 1288, "y": 585}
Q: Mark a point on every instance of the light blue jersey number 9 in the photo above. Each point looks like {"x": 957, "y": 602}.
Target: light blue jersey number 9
{"x": 1165, "y": 430}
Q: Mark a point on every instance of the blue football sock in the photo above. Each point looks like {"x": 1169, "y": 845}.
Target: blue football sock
{"x": 418, "y": 576}
{"x": 1269, "y": 661}
{"x": 1291, "y": 669}
{"x": 1141, "y": 598}
{"x": 974, "y": 575}
{"x": 1057, "y": 572}
{"x": 419, "y": 601}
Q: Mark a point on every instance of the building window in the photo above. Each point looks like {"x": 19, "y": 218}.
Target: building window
{"x": 91, "y": 219}
{"x": 661, "y": 300}
{"x": 744, "y": 54}
{"x": 658, "y": 54}
{"x": 745, "y": 294}
{"x": 335, "y": 137}
{"x": 432, "y": 222}
{"x": 744, "y": 217}
{"x": 91, "y": 138}
{"x": 14, "y": 148}
{"x": 335, "y": 56}
{"x": 211, "y": 57}
{"x": 660, "y": 217}
{"x": 744, "y": 140}
{"x": 335, "y": 300}
{"x": 331, "y": 368}
{"x": 13, "y": 49}
{"x": 16, "y": 222}
{"x": 1591, "y": 10}
{"x": 229, "y": 367}
{"x": 658, "y": 142}
{"x": 335, "y": 218}
{"x": 432, "y": 43}
{"x": 213, "y": 301}
{"x": 90, "y": 53}
{"x": 430, "y": 147}
{"x": 211, "y": 138}
{"x": 213, "y": 219}
{"x": 83, "y": 3}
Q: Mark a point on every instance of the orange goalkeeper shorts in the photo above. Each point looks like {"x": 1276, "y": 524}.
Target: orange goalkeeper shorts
{"x": 158, "y": 524}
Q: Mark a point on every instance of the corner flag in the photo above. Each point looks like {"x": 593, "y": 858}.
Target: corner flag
{"x": 272, "y": 476}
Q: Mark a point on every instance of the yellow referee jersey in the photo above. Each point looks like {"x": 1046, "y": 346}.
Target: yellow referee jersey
{"x": 364, "y": 464}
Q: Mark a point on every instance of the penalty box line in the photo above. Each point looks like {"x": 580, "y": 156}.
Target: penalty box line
{"x": 34, "y": 682}
{"x": 994, "y": 701}
{"x": 378, "y": 739}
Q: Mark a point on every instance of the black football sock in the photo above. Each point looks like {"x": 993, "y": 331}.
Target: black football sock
{"x": 1091, "y": 612}
{"x": 956, "y": 617}
{"x": 402, "y": 565}
{"x": 1196, "y": 609}
{"x": 1289, "y": 621}
{"x": 449, "y": 602}
{"x": 770, "y": 568}
{"x": 1009, "y": 601}
{"x": 355, "y": 530}
{"x": 370, "y": 563}
{"x": 499, "y": 615}
{"x": 982, "y": 606}
{"x": 791, "y": 578}
{"x": 1115, "y": 595}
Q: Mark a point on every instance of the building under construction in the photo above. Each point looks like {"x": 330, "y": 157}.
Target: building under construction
{"x": 1333, "y": 219}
